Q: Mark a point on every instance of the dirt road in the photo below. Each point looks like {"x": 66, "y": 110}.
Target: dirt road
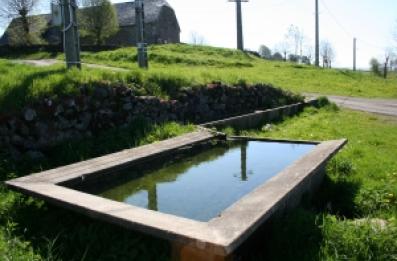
{"x": 378, "y": 106}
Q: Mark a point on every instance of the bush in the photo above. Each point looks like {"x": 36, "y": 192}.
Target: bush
{"x": 277, "y": 57}
{"x": 322, "y": 101}
{"x": 375, "y": 66}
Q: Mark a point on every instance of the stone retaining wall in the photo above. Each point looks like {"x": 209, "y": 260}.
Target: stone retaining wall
{"x": 49, "y": 122}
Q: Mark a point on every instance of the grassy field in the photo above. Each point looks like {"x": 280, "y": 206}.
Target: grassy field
{"x": 181, "y": 65}
{"x": 177, "y": 66}
{"x": 23, "y": 84}
{"x": 199, "y": 64}
{"x": 354, "y": 215}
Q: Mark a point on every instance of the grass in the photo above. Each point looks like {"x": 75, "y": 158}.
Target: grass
{"x": 33, "y": 230}
{"x": 23, "y": 84}
{"x": 340, "y": 222}
{"x": 177, "y": 66}
{"x": 199, "y": 64}
{"x": 187, "y": 65}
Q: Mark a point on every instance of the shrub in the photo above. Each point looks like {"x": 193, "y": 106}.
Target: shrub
{"x": 322, "y": 101}
{"x": 375, "y": 66}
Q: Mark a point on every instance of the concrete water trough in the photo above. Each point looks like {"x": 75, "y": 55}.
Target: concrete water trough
{"x": 240, "y": 194}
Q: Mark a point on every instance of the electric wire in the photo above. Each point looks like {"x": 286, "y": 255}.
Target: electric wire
{"x": 347, "y": 32}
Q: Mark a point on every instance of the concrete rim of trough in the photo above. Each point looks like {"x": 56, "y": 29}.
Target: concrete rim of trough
{"x": 221, "y": 235}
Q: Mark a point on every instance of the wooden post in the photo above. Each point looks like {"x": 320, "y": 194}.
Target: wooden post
{"x": 317, "y": 44}
{"x": 354, "y": 53}
{"x": 71, "y": 34}
{"x": 140, "y": 34}
{"x": 240, "y": 38}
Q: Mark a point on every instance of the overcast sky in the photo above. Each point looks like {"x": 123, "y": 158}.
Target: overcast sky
{"x": 266, "y": 22}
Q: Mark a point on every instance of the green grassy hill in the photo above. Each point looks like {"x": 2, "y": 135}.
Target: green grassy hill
{"x": 201, "y": 64}
{"x": 180, "y": 65}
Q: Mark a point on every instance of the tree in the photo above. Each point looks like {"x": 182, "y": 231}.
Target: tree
{"x": 293, "y": 58}
{"x": 196, "y": 38}
{"x": 295, "y": 36}
{"x": 24, "y": 29}
{"x": 387, "y": 62}
{"x": 327, "y": 53}
{"x": 283, "y": 47}
{"x": 306, "y": 60}
{"x": 308, "y": 54}
{"x": 375, "y": 66}
{"x": 393, "y": 65}
{"x": 265, "y": 52}
{"x": 98, "y": 20}
{"x": 277, "y": 56}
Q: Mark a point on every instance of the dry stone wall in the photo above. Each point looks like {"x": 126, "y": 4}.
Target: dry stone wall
{"x": 50, "y": 122}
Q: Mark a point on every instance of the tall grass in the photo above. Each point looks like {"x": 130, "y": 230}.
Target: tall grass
{"x": 341, "y": 221}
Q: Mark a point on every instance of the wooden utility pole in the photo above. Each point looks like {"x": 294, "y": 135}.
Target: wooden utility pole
{"x": 317, "y": 44}
{"x": 354, "y": 54}
{"x": 71, "y": 41}
{"x": 240, "y": 39}
{"x": 140, "y": 34}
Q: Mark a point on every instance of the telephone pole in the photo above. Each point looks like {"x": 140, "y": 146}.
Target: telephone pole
{"x": 240, "y": 40}
{"x": 71, "y": 41}
{"x": 140, "y": 34}
{"x": 354, "y": 53}
{"x": 317, "y": 58}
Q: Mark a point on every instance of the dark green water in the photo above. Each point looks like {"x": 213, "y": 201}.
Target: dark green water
{"x": 200, "y": 187}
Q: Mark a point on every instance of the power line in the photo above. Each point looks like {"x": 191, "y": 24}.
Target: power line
{"x": 336, "y": 20}
{"x": 347, "y": 32}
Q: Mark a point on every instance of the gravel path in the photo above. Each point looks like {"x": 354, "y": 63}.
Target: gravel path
{"x": 49, "y": 62}
{"x": 378, "y": 106}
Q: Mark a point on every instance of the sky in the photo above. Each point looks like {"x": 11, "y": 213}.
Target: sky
{"x": 266, "y": 22}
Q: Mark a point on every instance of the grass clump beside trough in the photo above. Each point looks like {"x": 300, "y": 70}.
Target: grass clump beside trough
{"x": 354, "y": 214}
{"x": 33, "y": 230}
{"x": 201, "y": 64}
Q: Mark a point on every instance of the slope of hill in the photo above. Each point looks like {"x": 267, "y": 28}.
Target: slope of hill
{"x": 199, "y": 64}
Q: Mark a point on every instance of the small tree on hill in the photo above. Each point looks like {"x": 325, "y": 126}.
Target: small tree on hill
{"x": 24, "y": 29}
{"x": 375, "y": 66}
{"x": 277, "y": 56}
{"x": 98, "y": 20}
{"x": 389, "y": 56}
{"x": 295, "y": 36}
{"x": 283, "y": 47}
{"x": 265, "y": 52}
{"x": 196, "y": 38}
{"x": 327, "y": 53}
{"x": 293, "y": 58}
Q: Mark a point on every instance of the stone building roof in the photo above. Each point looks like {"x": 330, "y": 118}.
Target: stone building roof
{"x": 126, "y": 11}
{"x": 125, "y": 14}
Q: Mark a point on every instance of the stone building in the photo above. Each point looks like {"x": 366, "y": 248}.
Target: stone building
{"x": 161, "y": 25}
